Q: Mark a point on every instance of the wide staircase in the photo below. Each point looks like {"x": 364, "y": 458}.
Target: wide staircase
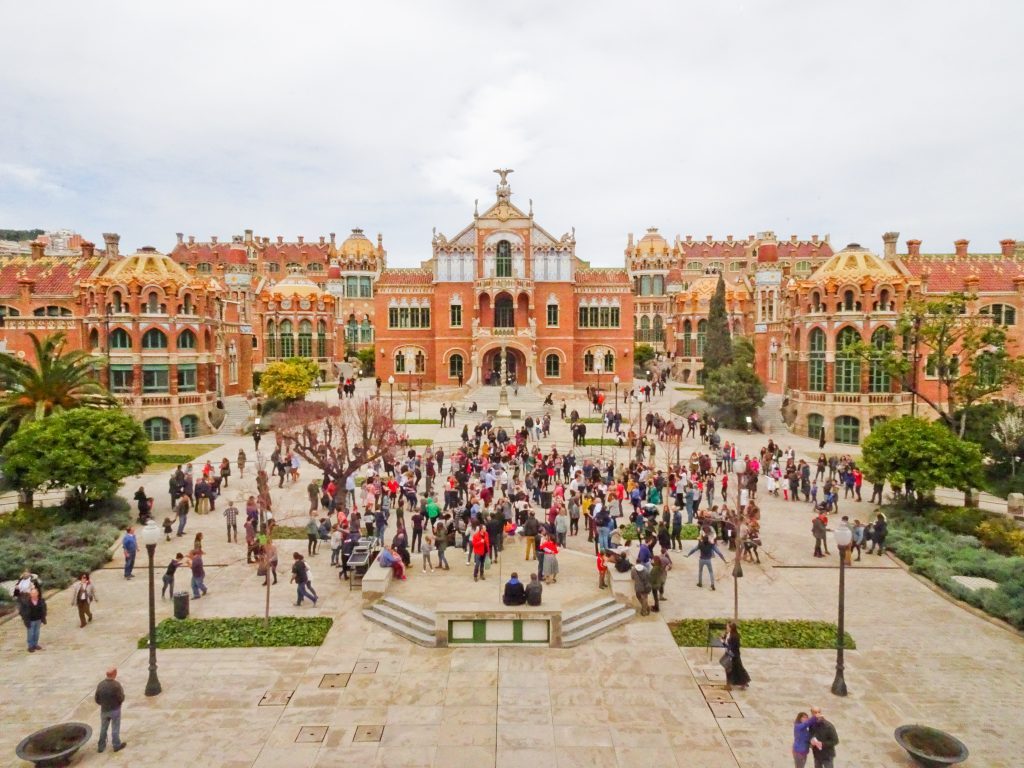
{"x": 592, "y": 620}
{"x": 529, "y": 400}
{"x": 770, "y": 416}
{"x": 236, "y": 414}
{"x": 404, "y": 619}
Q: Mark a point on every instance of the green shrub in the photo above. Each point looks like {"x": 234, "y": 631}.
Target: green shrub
{"x": 418, "y": 421}
{"x": 289, "y": 532}
{"x": 690, "y": 532}
{"x": 600, "y": 441}
{"x": 240, "y": 633}
{"x": 419, "y": 441}
{"x": 764, "y": 633}
{"x": 1003, "y": 536}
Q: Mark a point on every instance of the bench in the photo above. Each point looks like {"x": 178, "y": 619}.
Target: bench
{"x": 376, "y": 580}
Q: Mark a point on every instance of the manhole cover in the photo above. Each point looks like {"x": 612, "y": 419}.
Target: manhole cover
{"x": 725, "y": 709}
{"x": 335, "y": 680}
{"x": 715, "y": 675}
{"x": 311, "y": 734}
{"x": 368, "y": 733}
{"x": 365, "y": 668}
{"x": 715, "y": 693}
{"x": 276, "y": 698}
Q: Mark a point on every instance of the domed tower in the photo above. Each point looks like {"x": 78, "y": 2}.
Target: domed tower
{"x": 351, "y": 277}
{"x": 648, "y": 262}
{"x": 299, "y": 320}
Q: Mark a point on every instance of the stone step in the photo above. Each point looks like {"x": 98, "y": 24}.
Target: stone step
{"x": 622, "y": 615}
{"x": 581, "y": 623}
{"x": 402, "y": 630}
{"x": 576, "y": 614}
{"x": 403, "y": 618}
{"x": 422, "y": 614}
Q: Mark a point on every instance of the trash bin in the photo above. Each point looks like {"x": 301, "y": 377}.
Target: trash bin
{"x": 545, "y": 499}
{"x": 181, "y": 605}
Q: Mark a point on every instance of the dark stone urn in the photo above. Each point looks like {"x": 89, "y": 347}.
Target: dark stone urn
{"x": 54, "y": 746}
{"x": 931, "y": 747}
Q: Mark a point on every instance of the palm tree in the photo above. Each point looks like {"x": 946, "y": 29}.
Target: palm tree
{"x": 57, "y": 381}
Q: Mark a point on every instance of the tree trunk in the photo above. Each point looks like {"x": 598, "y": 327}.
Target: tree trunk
{"x": 963, "y": 423}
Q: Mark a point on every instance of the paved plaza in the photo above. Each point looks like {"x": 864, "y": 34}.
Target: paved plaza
{"x": 630, "y": 698}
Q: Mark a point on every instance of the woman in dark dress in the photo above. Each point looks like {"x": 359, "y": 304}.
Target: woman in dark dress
{"x": 735, "y": 674}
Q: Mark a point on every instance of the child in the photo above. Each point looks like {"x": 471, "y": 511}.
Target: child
{"x": 602, "y": 571}
{"x": 169, "y": 527}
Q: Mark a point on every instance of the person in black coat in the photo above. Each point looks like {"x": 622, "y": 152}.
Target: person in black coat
{"x": 515, "y": 592}
{"x": 33, "y": 614}
{"x": 735, "y": 674}
{"x": 823, "y": 740}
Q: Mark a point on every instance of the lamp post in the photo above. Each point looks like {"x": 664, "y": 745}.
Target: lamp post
{"x": 615, "y": 381}
{"x": 391, "y": 395}
{"x": 678, "y": 423}
{"x": 640, "y": 429}
{"x": 843, "y": 536}
{"x": 150, "y": 536}
{"x": 408, "y": 407}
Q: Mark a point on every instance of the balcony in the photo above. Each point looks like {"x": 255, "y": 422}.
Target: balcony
{"x": 649, "y": 336}
{"x": 40, "y": 323}
{"x": 512, "y": 285}
{"x": 529, "y": 332}
{"x": 851, "y": 398}
{"x": 163, "y": 399}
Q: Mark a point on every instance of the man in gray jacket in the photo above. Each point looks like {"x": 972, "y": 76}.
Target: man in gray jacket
{"x": 110, "y": 697}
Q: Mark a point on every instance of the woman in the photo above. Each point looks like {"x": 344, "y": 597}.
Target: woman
{"x": 735, "y": 674}
{"x": 802, "y": 738}
{"x": 427, "y": 549}
{"x": 82, "y": 595}
{"x": 550, "y": 550}
{"x": 142, "y": 499}
{"x": 241, "y": 463}
{"x": 658, "y": 576}
{"x": 225, "y": 471}
{"x": 881, "y": 528}
{"x": 312, "y": 535}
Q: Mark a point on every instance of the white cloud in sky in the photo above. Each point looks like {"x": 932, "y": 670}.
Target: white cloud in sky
{"x": 718, "y": 118}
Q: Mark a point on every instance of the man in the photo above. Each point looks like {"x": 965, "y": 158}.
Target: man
{"x": 823, "y": 740}
{"x": 181, "y": 513}
{"x": 451, "y": 415}
{"x": 168, "y": 580}
{"x": 231, "y": 520}
{"x": 515, "y": 592}
{"x": 110, "y": 697}
{"x": 198, "y": 574}
{"x": 708, "y": 550}
{"x": 300, "y": 578}
{"x": 534, "y": 590}
{"x": 256, "y": 436}
{"x": 33, "y": 615}
{"x": 130, "y": 547}
{"x": 444, "y": 414}
{"x": 530, "y": 529}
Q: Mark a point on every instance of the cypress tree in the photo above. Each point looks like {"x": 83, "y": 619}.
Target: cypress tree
{"x": 718, "y": 340}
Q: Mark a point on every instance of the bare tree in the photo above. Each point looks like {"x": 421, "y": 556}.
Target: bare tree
{"x": 1009, "y": 433}
{"x": 340, "y": 438}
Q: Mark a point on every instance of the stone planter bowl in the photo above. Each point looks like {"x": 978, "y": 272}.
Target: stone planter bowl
{"x": 931, "y": 747}
{"x": 54, "y": 746}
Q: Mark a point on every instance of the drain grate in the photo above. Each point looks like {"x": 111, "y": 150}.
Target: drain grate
{"x": 724, "y": 710}
{"x": 364, "y": 668}
{"x": 276, "y": 698}
{"x": 335, "y": 680}
{"x": 311, "y": 734}
{"x": 368, "y": 733}
{"x": 715, "y": 693}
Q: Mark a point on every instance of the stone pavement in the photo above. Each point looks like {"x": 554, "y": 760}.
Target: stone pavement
{"x": 630, "y": 698}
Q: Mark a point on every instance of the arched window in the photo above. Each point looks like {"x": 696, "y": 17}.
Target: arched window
{"x": 157, "y": 429}
{"x": 552, "y": 366}
{"x": 305, "y": 338}
{"x": 881, "y": 342}
{"x": 420, "y": 361}
{"x": 120, "y": 339}
{"x": 51, "y": 311}
{"x": 400, "y": 362}
{"x": 186, "y": 340}
{"x": 366, "y": 331}
{"x": 848, "y": 301}
{"x": 204, "y": 268}
{"x": 659, "y": 285}
{"x": 847, "y": 430}
{"x": 117, "y": 303}
{"x": 232, "y": 363}
{"x": 687, "y": 338}
{"x": 816, "y": 361}
{"x": 815, "y": 425}
{"x": 802, "y": 266}
{"x": 815, "y": 302}
{"x": 187, "y": 308}
{"x": 645, "y": 285}
{"x": 702, "y": 333}
{"x": 645, "y": 323}
{"x": 609, "y": 362}
{"x": 588, "y": 362}
{"x": 455, "y": 368}
{"x": 271, "y": 343}
{"x": 884, "y": 301}
{"x": 659, "y": 328}
{"x": 503, "y": 264}
{"x": 504, "y": 311}
{"x": 287, "y": 339}
{"x": 152, "y": 303}
{"x": 847, "y": 362}
{"x": 1001, "y": 314}
{"x": 190, "y": 426}
{"x": 321, "y": 339}
{"x": 94, "y": 339}
{"x": 154, "y": 338}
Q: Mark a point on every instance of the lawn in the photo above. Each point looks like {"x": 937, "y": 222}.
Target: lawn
{"x": 763, "y": 633}
{"x": 690, "y": 532}
{"x": 240, "y": 633}
{"x": 418, "y": 421}
{"x": 167, "y": 455}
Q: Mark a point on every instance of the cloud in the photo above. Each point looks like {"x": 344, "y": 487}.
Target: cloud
{"x": 722, "y": 118}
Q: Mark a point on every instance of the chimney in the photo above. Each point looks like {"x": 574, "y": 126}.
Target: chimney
{"x": 961, "y": 248}
{"x": 1007, "y": 246}
{"x": 889, "y": 244}
{"x": 88, "y": 249}
{"x": 913, "y": 247}
{"x": 248, "y": 236}
{"x": 333, "y": 238}
{"x": 213, "y": 239}
{"x": 709, "y": 238}
{"x": 925, "y": 273}
{"x": 280, "y": 239}
{"x": 25, "y": 286}
{"x": 112, "y": 241}
{"x": 629, "y": 239}
{"x": 792, "y": 238}
{"x": 322, "y": 239}
{"x": 689, "y": 238}
{"x": 266, "y": 241}
{"x": 191, "y": 239}
{"x": 814, "y": 239}
{"x": 38, "y": 248}
{"x": 728, "y": 238}
{"x": 180, "y": 236}
{"x": 301, "y": 239}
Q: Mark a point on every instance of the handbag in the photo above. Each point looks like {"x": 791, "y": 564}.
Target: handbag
{"x": 261, "y": 570}
{"x": 487, "y": 562}
{"x": 727, "y": 661}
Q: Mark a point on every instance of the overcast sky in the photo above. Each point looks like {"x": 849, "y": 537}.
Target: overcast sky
{"x": 703, "y": 118}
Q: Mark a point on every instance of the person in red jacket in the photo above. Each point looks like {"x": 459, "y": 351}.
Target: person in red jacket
{"x": 481, "y": 543}
{"x": 602, "y": 571}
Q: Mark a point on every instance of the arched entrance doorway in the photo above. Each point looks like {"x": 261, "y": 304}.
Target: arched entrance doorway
{"x": 491, "y": 368}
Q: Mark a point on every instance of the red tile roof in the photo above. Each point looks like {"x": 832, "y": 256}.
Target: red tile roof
{"x": 53, "y": 275}
{"x": 602, "y": 276}
{"x": 994, "y": 273}
{"x": 406, "y": 276}
{"x": 203, "y": 253}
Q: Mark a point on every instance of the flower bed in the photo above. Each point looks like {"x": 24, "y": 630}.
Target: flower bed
{"x": 240, "y": 633}
{"x": 764, "y": 633}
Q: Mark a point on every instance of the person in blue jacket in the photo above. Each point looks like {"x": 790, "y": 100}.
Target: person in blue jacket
{"x": 802, "y": 738}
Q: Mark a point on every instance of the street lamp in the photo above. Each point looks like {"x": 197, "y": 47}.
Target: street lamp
{"x": 678, "y": 423}
{"x": 640, "y": 429}
{"x": 843, "y": 536}
{"x": 615, "y": 381}
{"x": 391, "y": 395}
{"x": 408, "y": 408}
{"x": 150, "y": 536}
